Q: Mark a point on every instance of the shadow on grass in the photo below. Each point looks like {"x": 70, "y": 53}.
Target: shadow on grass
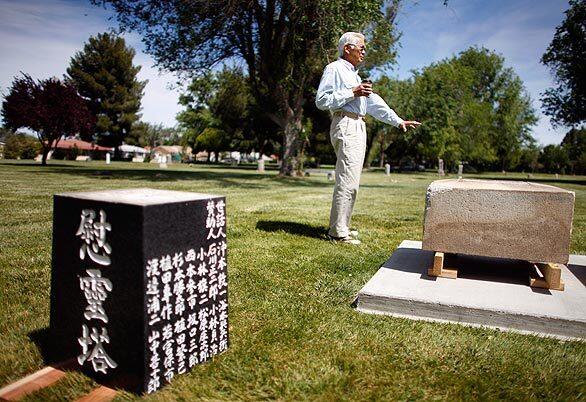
{"x": 128, "y": 381}
{"x": 34, "y": 164}
{"x": 294, "y": 228}
{"x": 42, "y": 339}
{"x": 222, "y": 178}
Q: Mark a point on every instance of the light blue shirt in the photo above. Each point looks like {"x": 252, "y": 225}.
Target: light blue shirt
{"x": 335, "y": 94}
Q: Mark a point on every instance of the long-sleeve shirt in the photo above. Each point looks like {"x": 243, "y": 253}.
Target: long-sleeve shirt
{"x": 335, "y": 94}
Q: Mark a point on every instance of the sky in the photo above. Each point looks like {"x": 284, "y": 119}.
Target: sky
{"x": 38, "y": 37}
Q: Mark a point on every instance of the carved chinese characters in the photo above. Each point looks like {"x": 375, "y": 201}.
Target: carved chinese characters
{"x": 94, "y": 237}
{"x": 95, "y": 289}
{"x": 186, "y": 303}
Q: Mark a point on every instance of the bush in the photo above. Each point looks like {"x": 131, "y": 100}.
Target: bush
{"x": 21, "y": 146}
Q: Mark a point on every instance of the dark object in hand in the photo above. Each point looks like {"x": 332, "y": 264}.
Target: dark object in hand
{"x": 367, "y": 81}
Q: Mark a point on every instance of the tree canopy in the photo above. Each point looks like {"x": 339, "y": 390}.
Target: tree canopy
{"x": 472, "y": 108}
{"x": 284, "y": 45}
{"x": 104, "y": 74}
{"x": 223, "y": 101}
{"x": 566, "y": 58}
{"x": 51, "y": 108}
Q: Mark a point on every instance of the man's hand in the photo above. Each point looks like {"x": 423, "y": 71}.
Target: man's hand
{"x": 363, "y": 89}
{"x": 409, "y": 124}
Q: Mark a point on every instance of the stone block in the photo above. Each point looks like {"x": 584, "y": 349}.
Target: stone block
{"x": 506, "y": 219}
{"x": 138, "y": 284}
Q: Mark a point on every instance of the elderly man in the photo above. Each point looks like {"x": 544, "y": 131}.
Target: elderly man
{"x": 342, "y": 93}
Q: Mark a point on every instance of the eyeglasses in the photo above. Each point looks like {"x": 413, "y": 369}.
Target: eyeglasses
{"x": 361, "y": 49}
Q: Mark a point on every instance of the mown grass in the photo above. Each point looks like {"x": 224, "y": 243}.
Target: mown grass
{"x": 294, "y": 334}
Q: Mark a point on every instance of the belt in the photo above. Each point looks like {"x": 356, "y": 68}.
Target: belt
{"x": 343, "y": 113}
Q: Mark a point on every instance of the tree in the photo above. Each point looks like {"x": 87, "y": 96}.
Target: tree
{"x": 103, "y": 73}
{"x": 529, "y": 157}
{"x": 138, "y": 131}
{"x": 51, "y": 108}
{"x": 574, "y": 144}
{"x": 216, "y": 104}
{"x": 381, "y": 135}
{"x": 565, "y": 56}
{"x": 223, "y": 101}
{"x": 211, "y": 140}
{"x": 20, "y": 146}
{"x": 284, "y": 44}
{"x": 473, "y": 109}
{"x": 554, "y": 159}
{"x": 152, "y": 135}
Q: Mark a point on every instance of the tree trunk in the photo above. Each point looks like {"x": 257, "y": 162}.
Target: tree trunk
{"x": 262, "y": 145}
{"x": 381, "y": 162}
{"x": 45, "y": 152}
{"x": 289, "y": 161}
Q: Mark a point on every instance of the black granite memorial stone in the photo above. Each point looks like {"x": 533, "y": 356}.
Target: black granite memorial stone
{"x": 139, "y": 284}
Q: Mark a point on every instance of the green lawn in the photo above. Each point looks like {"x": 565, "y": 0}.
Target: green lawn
{"x": 294, "y": 334}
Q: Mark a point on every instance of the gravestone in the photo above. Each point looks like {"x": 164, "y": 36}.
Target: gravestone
{"x": 387, "y": 169}
{"x": 460, "y": 170}
{"x": 138, "y": 284}
{"x": 440, "y": 169}
{"x": 108, "y": 158}
{"x": 261, "y": 166}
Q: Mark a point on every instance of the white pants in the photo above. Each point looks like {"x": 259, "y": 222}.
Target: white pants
{"x": 348, "y": 136}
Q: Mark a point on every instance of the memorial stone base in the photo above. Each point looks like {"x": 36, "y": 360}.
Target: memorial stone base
{"x": 139, "y": 284}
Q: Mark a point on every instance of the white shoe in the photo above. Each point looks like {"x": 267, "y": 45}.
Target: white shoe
{"x": 346, "y": 240}
{"x": 353, "y": 233}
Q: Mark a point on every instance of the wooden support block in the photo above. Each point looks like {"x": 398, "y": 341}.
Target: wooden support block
{"x": 552, "y": 273}
{"x": 438, "y": 264}
{"x": 41, "y": 379}
{"x": 552, "y": 277}
{"x": 451, "y": 273}
{"x": 100, "y": 394}
{"x": 438, "y": 267}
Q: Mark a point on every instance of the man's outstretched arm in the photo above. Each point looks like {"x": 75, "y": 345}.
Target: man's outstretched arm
{"x": 378, "y": 108}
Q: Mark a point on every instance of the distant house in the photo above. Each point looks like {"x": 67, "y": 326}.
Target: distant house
{"x": 202, "y": 156}
{"x": 137, "y": 154}
{"x": 170, "y": 153}
{"x": 70, "y": 148}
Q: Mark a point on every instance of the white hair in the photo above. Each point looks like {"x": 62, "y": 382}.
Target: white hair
{"x": 351, "y": 38}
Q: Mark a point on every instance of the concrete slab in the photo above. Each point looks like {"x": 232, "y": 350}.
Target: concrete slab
{"x": 484, "y": 294}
